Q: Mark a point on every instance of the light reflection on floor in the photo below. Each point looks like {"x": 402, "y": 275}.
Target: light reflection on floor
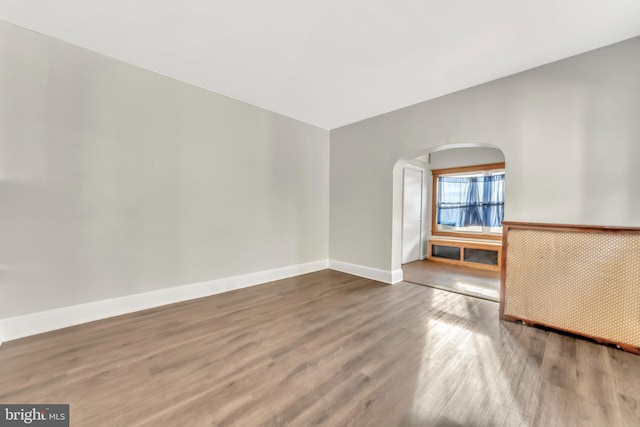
{"x": 476, "y": 381}
{"x": 463, "y": 280}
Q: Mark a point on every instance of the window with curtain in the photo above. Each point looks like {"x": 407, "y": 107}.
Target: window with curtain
{"x": 471, "y": 202}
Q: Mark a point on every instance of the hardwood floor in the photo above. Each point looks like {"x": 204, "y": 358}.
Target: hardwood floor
{"x": 455, "y": 278}
{"x": 324, "y": 348}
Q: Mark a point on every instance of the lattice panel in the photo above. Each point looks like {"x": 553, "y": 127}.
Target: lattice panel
{"x": 587, "y": 283}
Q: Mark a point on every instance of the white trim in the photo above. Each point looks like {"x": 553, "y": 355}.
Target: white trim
{"x": 396, "y": 276}
{"x": 372, "y": 273}
{"x": 422, "y": 207}
{"x": 414, "y": 167}
{"x": 45, "y": 321}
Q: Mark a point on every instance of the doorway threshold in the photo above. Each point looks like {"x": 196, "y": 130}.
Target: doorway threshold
{"x": 454, "y": 278}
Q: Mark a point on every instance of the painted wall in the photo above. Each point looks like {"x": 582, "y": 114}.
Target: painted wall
{"x": 115, "y": 180}
{"x": 460, "y": 157}
{"x": 569, "y": 132}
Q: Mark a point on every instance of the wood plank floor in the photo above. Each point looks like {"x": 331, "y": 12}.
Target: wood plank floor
{"x": 324, "y": 348}
{"x": 455, "y": 278}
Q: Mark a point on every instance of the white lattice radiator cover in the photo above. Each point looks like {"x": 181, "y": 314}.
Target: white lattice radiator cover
{"x": 584, "y": 280}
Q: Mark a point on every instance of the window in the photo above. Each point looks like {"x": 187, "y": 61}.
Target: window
{"x": 469, "y": 202}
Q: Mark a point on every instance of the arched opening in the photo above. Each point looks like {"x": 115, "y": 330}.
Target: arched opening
{"x": 443, "y": 162}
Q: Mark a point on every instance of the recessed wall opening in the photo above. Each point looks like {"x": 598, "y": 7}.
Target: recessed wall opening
{"x": 448, "y": 218}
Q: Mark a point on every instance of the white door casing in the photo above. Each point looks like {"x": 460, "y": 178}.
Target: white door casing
{"x": 412, "y": 215}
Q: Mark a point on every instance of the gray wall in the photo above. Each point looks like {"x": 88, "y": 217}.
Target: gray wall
{"x": 115, "y": 180}
{"x": 569, "y": 132}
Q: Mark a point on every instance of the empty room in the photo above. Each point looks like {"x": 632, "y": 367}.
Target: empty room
{"x": 332, "y": 213}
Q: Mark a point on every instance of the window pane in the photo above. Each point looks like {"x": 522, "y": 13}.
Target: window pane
{"x": 470, "y": 203}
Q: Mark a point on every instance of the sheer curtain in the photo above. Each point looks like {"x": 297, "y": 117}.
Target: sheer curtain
{"x": 471, "y": 201}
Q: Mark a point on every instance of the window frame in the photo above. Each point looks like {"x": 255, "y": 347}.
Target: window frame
{"x": 434, "y": 200}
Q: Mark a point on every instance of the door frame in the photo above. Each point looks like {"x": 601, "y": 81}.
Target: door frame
{"x": 422, "y": 210}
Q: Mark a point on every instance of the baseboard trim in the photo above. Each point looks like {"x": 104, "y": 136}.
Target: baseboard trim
{"x": 396, "y": 276}
{"x": 45, "y": 321}
{"x": 385, "y": 276}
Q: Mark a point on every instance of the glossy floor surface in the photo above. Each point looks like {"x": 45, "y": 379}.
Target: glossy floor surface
{"x": 455, "y": 278}
{"x": 324, "y": 348}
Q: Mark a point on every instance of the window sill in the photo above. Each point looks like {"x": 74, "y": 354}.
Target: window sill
{"x": 491, "y": 246}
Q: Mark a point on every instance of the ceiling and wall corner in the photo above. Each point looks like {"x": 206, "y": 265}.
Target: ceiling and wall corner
{"x": 332, "y": 63}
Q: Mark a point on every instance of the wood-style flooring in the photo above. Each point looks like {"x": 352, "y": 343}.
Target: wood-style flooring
{"x": 455, "y": 278}
{"x": 324, "y": 348}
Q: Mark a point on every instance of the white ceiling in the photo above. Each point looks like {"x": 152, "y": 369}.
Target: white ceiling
{"x": 332, "y": 62}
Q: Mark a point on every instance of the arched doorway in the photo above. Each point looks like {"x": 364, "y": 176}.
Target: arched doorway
{"x": 473, "y": 245}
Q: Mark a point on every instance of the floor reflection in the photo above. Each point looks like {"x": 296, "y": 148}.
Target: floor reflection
{"x": 463, "y": 280}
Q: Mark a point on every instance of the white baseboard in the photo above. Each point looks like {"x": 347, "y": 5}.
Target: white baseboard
{"x": 45, "y": 321}
{"x": 396, "y": 276}
{"x": 372, "y": 273}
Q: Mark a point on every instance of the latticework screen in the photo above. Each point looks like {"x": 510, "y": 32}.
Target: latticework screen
{"x": 583, "y": 282}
